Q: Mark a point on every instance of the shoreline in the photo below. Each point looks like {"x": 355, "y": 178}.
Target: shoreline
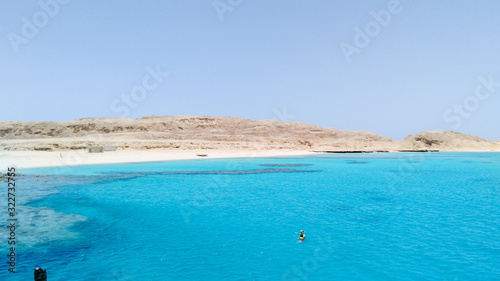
{"x": 43, "y": 159}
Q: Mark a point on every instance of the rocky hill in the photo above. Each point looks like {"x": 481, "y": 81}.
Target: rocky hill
{"x": 185, "y": 132}
{"x": 225, "y": 133}
{"x": 448, "y": 141}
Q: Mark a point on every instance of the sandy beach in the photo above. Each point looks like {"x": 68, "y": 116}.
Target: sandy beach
{"x": 32, "y": 159}
{"x": 162, "y": 138}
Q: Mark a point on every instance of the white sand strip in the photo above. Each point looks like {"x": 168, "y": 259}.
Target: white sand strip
{"x": 31, "y": 159}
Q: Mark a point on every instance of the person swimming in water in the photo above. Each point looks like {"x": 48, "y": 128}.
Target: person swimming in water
{"x": 302, "y": 235}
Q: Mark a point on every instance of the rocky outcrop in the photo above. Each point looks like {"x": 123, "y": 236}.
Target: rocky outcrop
{"x": 447, "y": 141}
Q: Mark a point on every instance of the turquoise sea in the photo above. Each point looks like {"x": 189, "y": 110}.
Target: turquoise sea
{"x": 383, "y": 216}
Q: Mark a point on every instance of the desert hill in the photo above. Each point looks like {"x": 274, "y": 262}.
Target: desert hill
{"x": 185, "y": 132}
{"x": 223, "y": 133}
{"x": 448, "y": 141}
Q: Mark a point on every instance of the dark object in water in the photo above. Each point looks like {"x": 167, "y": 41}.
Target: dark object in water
{"x": 285, "y": 165}
{"x": 349, "y": 151}
{"x": 40, "y": 274}
{"x": 418, "y": 150}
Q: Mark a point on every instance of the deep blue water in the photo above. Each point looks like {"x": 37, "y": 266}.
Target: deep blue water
{"x": 387, "y": 216}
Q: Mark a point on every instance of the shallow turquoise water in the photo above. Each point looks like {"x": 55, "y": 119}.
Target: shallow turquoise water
{"x": 389, "y": 216}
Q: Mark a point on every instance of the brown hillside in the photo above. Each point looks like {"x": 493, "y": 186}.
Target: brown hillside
{"x": 448, "y": 141}
{"x": 185, "y": 132}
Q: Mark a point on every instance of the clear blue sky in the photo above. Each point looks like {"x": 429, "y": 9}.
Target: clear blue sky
{"x": 418, "y": 70}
